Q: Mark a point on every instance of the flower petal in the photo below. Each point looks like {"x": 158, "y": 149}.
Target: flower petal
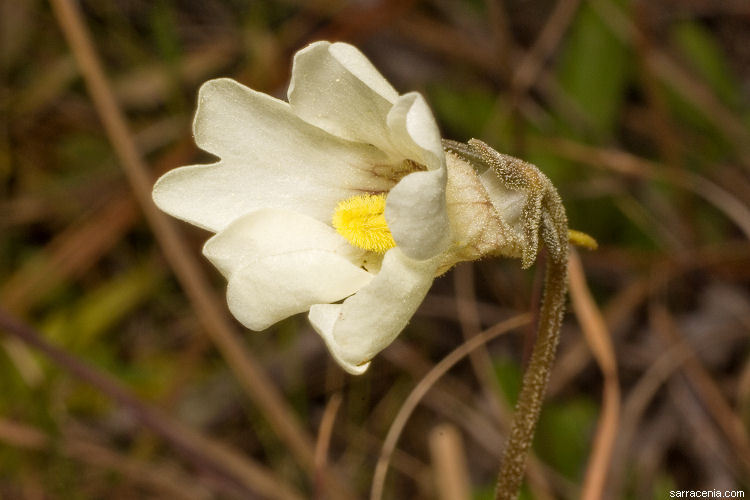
{"x": 335, "y": 87}
{"x": 323, "y": 318}
{"x": 415, "y": 209}
{"x": 273, "y": 231}
{"x": 507, "y": 202}
{"x": 280, "y": 262}
{"x": 270, "y": 158}
{"x": 371, "y": 319}
{"x": 271, "y": 288}
{"x": 416, "y": 215}
{"x": 414, "y": 131}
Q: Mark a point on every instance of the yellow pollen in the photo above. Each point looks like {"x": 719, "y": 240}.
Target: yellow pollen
{"x": 361, "y": 220}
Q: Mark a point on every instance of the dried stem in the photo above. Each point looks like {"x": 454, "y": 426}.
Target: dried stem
{"x": 210, "y": 313}
{"x": 598, "y": 337}
{"x": 424, "y": 385}
{"x": 248, "y": 476}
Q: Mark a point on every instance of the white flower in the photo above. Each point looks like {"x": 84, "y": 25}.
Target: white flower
{"x": 339, "y": 194}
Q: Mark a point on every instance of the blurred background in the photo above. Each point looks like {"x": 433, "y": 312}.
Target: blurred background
{"x": 638, "y": 111}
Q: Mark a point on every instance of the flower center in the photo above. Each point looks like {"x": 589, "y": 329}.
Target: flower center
{"x": 361, "y": 220}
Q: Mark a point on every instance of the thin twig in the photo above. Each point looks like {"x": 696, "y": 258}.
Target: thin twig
{"x": 247, "y": 369}
{"x": 165, "y": 480}
{"x": 448, "y": 403}
{"x": 725, "y": 417}
{"x": 673, "y": 74}
{"x": 450, "y": 471}
{"x": 162, "y": 477}
{"x": 323, "y": 443}
{"x": 641, "y": 395}
{"x": 502, "y": 33}
{"x": 468, "y": 318}
{"x": 629, "y": 164}
{"x": 530, "y": 65}
{"x": 598, "y": 337}
{"x": 202, "y": 451}
{"x": 424, "y": 385}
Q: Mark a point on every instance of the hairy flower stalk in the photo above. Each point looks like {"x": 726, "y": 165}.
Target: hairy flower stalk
{"x": 344, "y": 202}
{"x": 534, "y": 385}
{"x": 544, "y": 218}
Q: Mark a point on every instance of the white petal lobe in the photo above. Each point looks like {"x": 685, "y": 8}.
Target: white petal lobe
{"x": 323, "y": 317}
{"x": 371, "y": 319}
{"x": 275, "y": 287}
{"x": 415, "y": 132}
{"x": 416, "y": 214}
{"x": 273, "y": 231}
{"x": 335, "y": 87}
{"x": 270, "y": 158}
{"x": 415, "y": 209}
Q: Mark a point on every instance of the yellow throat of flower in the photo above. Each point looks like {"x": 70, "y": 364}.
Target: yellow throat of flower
{"x": 361, "y": 220}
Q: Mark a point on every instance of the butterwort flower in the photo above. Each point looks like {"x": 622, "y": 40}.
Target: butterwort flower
{"x": 342, "y": 201}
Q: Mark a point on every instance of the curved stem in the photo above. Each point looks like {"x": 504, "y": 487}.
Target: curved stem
{"x": 535, "y": 380}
